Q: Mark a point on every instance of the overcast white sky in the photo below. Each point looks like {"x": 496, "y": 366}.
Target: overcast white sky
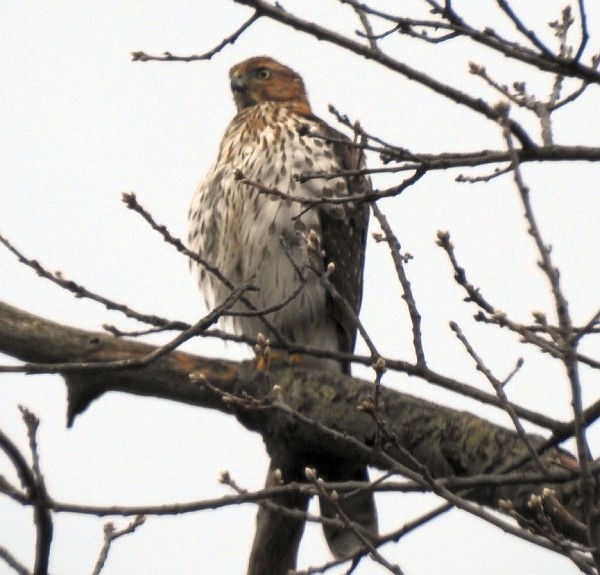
{"x": 81, "y": 123}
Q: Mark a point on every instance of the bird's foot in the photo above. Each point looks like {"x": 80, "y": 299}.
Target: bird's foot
{"x": 264, "y": 361}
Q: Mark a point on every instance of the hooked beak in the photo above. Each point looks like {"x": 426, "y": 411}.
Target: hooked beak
{"x": 238, "y": 84}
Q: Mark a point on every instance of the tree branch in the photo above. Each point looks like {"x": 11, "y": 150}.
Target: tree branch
{"x": 443, "y": 441}
{"x": 33, "y": 483}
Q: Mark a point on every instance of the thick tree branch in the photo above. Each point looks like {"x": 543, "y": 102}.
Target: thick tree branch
{"x": 444, "y": 441}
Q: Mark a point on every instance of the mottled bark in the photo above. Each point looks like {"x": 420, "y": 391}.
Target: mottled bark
{"x": 449, "y": 443}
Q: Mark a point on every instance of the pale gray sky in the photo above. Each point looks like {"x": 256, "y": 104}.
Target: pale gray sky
{"x": 81, "y": 123}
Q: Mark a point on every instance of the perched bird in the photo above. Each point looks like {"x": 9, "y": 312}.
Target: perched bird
{"x": 242, "y": 226}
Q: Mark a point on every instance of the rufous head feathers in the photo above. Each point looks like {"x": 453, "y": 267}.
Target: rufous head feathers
{"x": 262, "y": 79}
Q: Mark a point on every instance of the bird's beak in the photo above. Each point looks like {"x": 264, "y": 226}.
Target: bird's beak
{"x": 238, "y": 84}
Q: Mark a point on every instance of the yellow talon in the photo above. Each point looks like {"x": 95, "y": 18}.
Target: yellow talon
{"x": 277, "y": 357}
{"x": 262, "y": 363}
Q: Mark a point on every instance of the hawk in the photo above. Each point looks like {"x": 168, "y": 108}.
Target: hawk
{"x": 243, "y": 221}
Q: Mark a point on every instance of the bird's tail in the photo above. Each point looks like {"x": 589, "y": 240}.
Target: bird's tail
{"x": 359, "y": 508}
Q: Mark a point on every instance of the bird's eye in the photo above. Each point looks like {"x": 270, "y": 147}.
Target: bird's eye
{"x": 263, "y": 73}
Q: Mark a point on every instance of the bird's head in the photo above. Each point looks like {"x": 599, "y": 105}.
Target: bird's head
{"x": 262, "y": 79}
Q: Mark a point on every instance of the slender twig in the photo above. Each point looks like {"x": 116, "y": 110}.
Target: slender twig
{"x": 202, "y": 324}
{"x": 314, "y": 252}
{"x": 454, "y": 94}
{"x": 131, "y": 202}
{"x": 584, "y": 31}
{"x": 13, "y": 562}
{"x": 416, "y": 523}
{"x": 569, "y": 351}
{"x": 32, "y": 423}
{"x": 110, "y": 535}
{"x": 499, "y": 389}
{"x": 168, "y": 57}
{"x": 487, "y": 178}
{"x": 137, "y": 362}
{"x": 356, "y": 127}
{"x": 81, "y": 292}
{"x": 311, "y": 475}
{"x": 529, "y": 34}
{"x": 353, "y": 198}
{"x": 408, "y": 296}
{"x": 587, "y": 328}
{"x": 528, "y": 101}
{"x": 486, "y": 36}
{"x": 407, "y": 26}
{"x": 335, "y": 295}
{"x": 325, "y": 566}
{"x": 498, "y": 317}
{"x": 542, "y": 525}
{"x": 368, "y": 30}
{"x": 42, "y": 516}
{"x": 474, "y": 294}
{"x": 571, "y": 97}
{"x": 243, "y": 496}
{"x": 114, "y": 330}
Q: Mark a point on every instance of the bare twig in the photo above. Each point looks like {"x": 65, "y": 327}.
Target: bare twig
{"x": 543, "y": 526}
{"x": 569, "y": 352}
{"x": 587, "y": 328}
{"x": 498, "y": 317}
{"x": 245, "y": 496}
{"x": 81, "y": 292}
{"x": 168, "y": 57}
{"x": 460, "y": 276}
{"x": 30, "y": 479}
{"x": 487, "y": 178}
{"x": 476, "y": 104}
{"x": 13, "y": 562}
{"x": 131, "y": 202}
{"x": 399, "y": 261}
{"x": 110, "y": 535}
{"x": 529, "y": 34}
{"x": 137, "y": 362}
{"x": 584, "y": 31}
{"x": 520, "y": 97}
{"x": 499, "y": 388}
{"x": 544, "y": 60}
{"x": 335, "y": 294}
{"x": 368, "y": 30}
{"x": 311, "y": 475}
{"x": 355, "y": 198}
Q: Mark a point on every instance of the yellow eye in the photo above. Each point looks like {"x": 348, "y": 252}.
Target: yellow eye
{"x": 263, "y": 73}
